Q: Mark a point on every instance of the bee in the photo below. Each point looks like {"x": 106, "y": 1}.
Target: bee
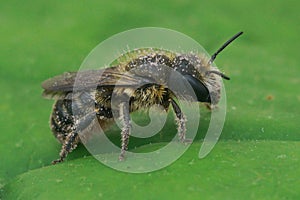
{"x": 96, "y": 87}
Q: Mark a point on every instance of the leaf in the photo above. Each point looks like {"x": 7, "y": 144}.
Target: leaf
{"x": 234, "y": 170}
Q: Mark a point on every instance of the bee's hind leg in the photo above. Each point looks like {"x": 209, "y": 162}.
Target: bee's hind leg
{"x": 72, "y": 138}
{"x": 125, "y": 120}
{"x": 70, "y": 143}
{"x": 180, "y": 120}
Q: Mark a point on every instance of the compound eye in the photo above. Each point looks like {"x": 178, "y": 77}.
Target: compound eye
{"x": 199, "y": 88}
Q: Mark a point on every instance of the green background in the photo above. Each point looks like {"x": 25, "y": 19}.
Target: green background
{"x": 258, "y": 156}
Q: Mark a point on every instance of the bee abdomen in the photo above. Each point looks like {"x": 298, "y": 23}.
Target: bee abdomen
{"x": 62, "y": 120}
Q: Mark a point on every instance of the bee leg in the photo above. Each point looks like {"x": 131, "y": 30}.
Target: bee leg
{"x": 125, "y": 120}
{"x": 180, "y": 120}
{"x": 70, "y": 143}
{"x": 72, "y": 139}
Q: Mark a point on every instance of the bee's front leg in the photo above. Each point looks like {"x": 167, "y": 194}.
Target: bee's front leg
{"x": 125, "y": 120}
{"x": 180, "y": 120}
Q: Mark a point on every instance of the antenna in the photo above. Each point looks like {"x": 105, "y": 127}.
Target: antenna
{"x": 219, "y": 73}
{"x": 213, "y": 57}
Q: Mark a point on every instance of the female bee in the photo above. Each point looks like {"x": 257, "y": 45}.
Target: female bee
{"x": 72, "y": 114}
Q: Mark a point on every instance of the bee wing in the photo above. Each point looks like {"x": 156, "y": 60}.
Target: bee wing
{"x": 59, "y": 86}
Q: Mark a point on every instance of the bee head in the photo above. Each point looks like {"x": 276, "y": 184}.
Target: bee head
{"x": 204, "y": 78}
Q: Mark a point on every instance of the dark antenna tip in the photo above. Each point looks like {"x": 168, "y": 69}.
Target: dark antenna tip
{"x": 213, "y": 57}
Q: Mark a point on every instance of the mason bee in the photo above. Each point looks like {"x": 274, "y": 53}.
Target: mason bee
{"x": 96, "y": 88}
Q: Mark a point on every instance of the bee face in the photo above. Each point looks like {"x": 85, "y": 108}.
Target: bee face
{"x": 133, "y": 78}
{"x": 195, "y": 69}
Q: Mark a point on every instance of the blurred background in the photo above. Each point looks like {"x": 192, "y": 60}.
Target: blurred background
{"x": 259, "y": 151}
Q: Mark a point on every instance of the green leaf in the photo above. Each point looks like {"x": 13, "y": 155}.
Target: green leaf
{"x": 234, "y": 170}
